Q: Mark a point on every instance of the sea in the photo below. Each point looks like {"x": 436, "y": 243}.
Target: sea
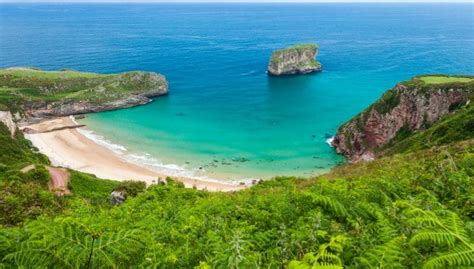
{"x": 224, "y": 117}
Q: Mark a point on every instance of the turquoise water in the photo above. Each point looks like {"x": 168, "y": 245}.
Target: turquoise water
{"x": 224, "y": 117}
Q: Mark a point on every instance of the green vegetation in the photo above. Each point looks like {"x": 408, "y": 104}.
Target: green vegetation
{"x": 40, "y": 74}
{"x": 444, "y": 79}
{"x": 411, "y": 207}
{"x": 278, "y": 55}
{"x": 442, "y": 82}
{"x": 298, "y": 48}
{"x": 17, "y": 152}
{"x": 93, "y": 190}
{"x": 23, "y": 195}
{"x": 389, "y": 100}
{"x": 21, "y": 88}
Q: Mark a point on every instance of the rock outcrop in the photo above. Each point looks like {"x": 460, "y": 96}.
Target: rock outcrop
{"x": 63, "y": 93}
{"x": 298, "y": 59}
{"x": 7, "y": 119}
{"x": 117, "y": 197}
{"x": 408, "y": 107}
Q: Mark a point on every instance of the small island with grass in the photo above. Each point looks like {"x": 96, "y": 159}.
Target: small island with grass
{"x": 297, "y": 59}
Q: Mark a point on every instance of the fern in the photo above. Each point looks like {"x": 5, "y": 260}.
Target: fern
{"x": 446, "y": 231}
{"x": 325, "y": 258}
{"x": 387, "y": 255}
{"x": 68, "y": 244}
{"x": 330, "y": 204}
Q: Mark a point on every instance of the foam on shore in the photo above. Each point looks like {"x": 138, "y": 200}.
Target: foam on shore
{"x": 329, "y": 141}
{"x": 150, "y": 162}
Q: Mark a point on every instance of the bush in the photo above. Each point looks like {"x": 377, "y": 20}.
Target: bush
{"x": 131, "y": 188}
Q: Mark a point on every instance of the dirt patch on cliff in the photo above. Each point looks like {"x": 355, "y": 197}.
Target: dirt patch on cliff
{"x": 59, "y": 179}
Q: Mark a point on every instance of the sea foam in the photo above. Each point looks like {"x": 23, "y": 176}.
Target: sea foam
{"x": 150, "y": 162}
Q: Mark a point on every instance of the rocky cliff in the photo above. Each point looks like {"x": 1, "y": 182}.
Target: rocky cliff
{"x": 36, "y": 93}
{"x": 299, "y": 59}
{"x": 407, "y": 108}
{"x": 7, "y": 119}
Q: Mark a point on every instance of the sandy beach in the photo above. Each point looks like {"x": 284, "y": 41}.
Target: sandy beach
{"x": 66, "y": 146}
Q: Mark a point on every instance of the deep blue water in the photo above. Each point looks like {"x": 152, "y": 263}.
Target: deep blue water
{"x": 222, "y": 106}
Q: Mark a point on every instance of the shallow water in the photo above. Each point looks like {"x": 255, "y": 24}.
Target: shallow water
{"x": 224, "y": 114}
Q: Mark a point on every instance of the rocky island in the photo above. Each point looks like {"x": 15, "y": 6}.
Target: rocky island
{"x": 391, "y": 124}
{"x": 298, "y": 59}
{"x": 34, "y": 93}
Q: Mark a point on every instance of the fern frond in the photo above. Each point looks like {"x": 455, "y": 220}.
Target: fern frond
{"x": 437, "y": 237}
{"x": 457, "y": 257}
{"x": 387, "y": 255}
{"x": 331, "y": 204}
{"x": 326, "y": 266}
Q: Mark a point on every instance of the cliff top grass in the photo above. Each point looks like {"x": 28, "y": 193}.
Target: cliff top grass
{"x": 298, "y": 47}
{"x": 22, "y": 86}
{"x": 440, "y": 81}
{"x": 25, "y": 72}
{"x": 444, "y": 79}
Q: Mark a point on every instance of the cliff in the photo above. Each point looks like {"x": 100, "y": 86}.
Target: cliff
{"x": 299, "y": 59}
{"x": 408, "y": 108}
{"x": 7, "y": 119}
{"x": 36, "y": 93}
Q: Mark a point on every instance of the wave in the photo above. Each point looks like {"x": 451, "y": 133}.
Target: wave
{"x": 329, "y": 141}
{"x": 148, "y": 161}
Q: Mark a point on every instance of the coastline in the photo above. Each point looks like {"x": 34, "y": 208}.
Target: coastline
{"x": 65, "y": 145}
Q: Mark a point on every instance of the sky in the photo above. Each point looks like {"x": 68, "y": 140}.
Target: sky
{"x": 243, "y": 1}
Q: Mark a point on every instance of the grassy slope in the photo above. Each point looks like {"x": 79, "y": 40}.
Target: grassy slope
{"x": 25, "y": 196}
{"x": 23, "y": 86}
{"x": 276, "y": 221}
{"x": 362, "y": 207}
{"x": 22, "y": 195}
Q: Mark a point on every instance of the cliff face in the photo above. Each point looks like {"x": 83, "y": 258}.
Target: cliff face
{"x": 7, "y": 119}
{"x": 408, "y": 107}
{"x": 37, "y": 93}
{"x": 299, "y": 59}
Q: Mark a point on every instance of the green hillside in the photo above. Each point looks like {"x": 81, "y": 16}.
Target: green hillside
{"x": 414, "y": 208}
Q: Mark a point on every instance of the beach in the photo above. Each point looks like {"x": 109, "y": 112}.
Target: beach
{"x": 61, "y": 140}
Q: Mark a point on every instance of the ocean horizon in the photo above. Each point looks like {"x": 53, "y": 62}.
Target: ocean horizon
{"x": 225, "y": 117}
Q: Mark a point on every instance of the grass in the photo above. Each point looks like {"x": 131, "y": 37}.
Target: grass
{"x": 91, "y": 188}
{"x": 444, "y": 79}
{"x": 22, "y": 88}
{"x": 17, "y": 152}
{"x": 298, "y": 48}
{"x": 33, "y": 73}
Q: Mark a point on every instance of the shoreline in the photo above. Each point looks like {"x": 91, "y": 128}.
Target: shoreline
{"x": 70, "y": 148}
